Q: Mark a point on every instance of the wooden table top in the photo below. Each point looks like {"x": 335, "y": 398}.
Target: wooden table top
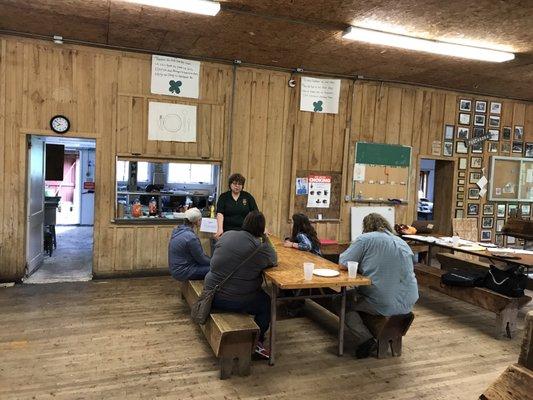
{"x": 289, "y": 273}
{"x": 522, "y": 259}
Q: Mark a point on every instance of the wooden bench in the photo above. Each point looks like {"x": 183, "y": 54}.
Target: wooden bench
{"x": 232, "y": 336}
{"x": 388, "y": 331}
{"x": 449, "y": 260}
{"x": 506, "y": 308}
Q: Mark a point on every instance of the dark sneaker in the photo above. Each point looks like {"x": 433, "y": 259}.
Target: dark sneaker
{"x": 261, "y": 351}
{"x": 365, "y": 350}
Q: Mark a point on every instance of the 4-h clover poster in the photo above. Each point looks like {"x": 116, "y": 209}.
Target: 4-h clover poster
{"x": 175, "y": 76}
{"x": 320, "y": 95}
{"x": 319, "y": 191}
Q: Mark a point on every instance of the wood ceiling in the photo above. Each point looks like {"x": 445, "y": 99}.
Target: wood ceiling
{"x": 306, "y": 34}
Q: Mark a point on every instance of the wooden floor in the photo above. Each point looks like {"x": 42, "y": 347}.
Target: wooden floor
{"x": 132, "y": 338}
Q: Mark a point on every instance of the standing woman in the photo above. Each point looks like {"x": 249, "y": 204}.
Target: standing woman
{"x": 233, "y": 206}
{"x": 303, "y": 235}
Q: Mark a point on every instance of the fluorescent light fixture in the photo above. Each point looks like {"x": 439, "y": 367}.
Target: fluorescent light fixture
{"x": 204, "y": 7}
{"x": 428, "y": 46}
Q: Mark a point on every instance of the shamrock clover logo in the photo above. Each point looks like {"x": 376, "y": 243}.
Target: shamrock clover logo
{"x": 317, "y": 105}
{"x": 174, "y": 87}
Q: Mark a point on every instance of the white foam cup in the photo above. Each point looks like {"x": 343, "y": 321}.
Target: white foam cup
{"x": 455, "y": 241}
{"x": 352, "y": 269}
{"x": 308, "y": 270}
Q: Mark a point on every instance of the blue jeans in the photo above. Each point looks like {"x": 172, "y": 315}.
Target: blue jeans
{"x": 199, "y": 273}
{"x": 259, "y": 307}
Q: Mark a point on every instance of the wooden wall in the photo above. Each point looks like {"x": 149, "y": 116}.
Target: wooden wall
{"x": 105, "y": 95}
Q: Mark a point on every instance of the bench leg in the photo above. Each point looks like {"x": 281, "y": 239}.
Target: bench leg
{"x": 239, "y": 352}
{"x": 383, "y": 348}
{"x": 396, "y": 346}
{"x": 226, "y": 367}
{"x": 506, "y": 322}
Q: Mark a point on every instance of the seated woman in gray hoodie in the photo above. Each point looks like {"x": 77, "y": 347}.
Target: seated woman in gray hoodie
{"x": 186, "y": 257}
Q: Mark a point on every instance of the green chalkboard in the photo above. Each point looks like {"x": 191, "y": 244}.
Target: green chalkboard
{"x": 383, "y": 154}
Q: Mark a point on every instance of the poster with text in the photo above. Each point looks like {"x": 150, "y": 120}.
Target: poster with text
{"x": 171, "y": 122}
{"x": 320, "y": 95}
{"x": 175, "y": 76}
{"x": 319, "y": 191}
{"x": 301, "y": 186}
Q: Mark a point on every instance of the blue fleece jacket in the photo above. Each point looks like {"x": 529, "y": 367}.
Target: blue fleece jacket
{"x": 185, "y": 253}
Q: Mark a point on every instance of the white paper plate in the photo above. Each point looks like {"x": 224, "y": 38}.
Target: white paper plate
{"x": 325, "y": 272}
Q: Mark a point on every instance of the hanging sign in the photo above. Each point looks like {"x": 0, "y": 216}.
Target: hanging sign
{"x": 175, "y": 76}
{"x": 319, "y": 191}
{"x": 171, "y": 122}
{"x": 320, "y": 95}
{"x": 88, "y": 185}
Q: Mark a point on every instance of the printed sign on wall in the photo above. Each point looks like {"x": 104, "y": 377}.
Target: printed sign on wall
{"x": 319, "y": 191}
{"x": 320, "y": 95}
{"x": 171, "y": 122}
{"x": 175, "y": 76}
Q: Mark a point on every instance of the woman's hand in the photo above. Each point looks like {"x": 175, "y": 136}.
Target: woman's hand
{"x": 287, "y": 243}
{"x": 218, "y": 234}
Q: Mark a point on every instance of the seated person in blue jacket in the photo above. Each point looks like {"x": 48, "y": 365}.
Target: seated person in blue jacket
{"x": 388, "y": 261}
{"x": 303, "y": 235}
{"x": 186, "y": 257}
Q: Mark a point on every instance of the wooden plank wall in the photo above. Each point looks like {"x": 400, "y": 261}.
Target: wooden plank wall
{"x": 106, "y": 93}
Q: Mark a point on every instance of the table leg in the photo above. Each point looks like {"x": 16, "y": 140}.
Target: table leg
{"x": 341, "y": 320}
{"x": 273, "y": 309}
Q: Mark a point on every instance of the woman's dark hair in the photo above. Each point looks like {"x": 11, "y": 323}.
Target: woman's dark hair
{"x": 254, "y": 223}
{"x": 301, "y": 224}
{"x": 238, "y": 178}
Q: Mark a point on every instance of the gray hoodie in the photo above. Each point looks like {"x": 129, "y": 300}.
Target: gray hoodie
{"x": 185, "y": 253}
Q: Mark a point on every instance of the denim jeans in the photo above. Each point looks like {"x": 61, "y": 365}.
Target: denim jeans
{"x": 199, "y": 273}
{"x": 259, "y": 307}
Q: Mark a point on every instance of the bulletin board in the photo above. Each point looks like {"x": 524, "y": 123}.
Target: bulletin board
{"x": 333, "y": 211}
{"x": 381, "y": 172}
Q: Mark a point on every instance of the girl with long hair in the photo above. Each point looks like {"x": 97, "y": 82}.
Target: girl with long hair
{"x": 303, "y": 235}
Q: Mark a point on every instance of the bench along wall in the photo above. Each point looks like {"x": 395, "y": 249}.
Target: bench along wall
{"x": 105, "y": 94}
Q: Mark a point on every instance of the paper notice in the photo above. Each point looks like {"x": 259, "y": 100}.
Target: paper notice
{"x": 508, "y": 188}
{"x": 482, "y": 182}
{"x": 359, "y": 171}
{"x": 498, "y": 191}
{"x": 319, "y": 191}
{"x": 529, "y": 176}
{"x": 482, "y": 192}
{"x": 208, "y": 225}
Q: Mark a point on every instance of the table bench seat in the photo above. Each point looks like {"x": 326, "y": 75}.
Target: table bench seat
{"x": 232, "y": 336}
{"x": 506, "y": 308}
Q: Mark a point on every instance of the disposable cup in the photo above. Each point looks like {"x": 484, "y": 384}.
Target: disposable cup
{"x": 308, "y": 270}
{"x": 455, "y": 241}
{"x": 352, "y": 269}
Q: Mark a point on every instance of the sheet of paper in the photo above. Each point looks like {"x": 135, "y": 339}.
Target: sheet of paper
{"x": 209, "y": 225}
{"x": 359, "y": 171}
{"x": 482, "y": 182}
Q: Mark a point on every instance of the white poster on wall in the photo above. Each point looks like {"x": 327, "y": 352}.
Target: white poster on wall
{"x": 171, "y": 122}
{"x": 175, "y": 76}
{"x": 319, "y": 191}
{"x": 320, "y": 95}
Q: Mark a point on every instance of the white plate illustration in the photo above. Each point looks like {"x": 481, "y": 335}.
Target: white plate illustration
{"x": 170, "y": 122}
{"x": 325, "y": 272}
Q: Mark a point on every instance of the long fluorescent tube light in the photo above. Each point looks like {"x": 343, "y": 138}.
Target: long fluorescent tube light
{"x": 429, "y": 46}
{"x": 204, "y": 7}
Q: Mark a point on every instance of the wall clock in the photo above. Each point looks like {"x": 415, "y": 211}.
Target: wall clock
{"x": 60, "y": 124}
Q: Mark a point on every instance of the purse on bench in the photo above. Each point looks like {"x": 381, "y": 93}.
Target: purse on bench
{"x": 201, "y": 309}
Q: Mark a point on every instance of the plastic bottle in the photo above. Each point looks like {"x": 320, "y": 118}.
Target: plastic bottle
{"x": 136, "y": 209}
{"x": 212, "y": 211}
{"x": 152, "y": 207}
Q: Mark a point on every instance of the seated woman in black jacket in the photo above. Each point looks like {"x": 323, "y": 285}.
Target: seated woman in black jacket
{"x": 243, "y": 292}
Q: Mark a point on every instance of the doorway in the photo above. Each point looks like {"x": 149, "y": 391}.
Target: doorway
{"x": 435, "y": 193}
{"x": 60, "y": 209}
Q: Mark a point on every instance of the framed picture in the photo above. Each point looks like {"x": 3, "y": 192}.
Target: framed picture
{"x": 476, "y": 147}
{"x": 488, "y": 209}
{"x": 465, "y": 105}
{"x": 506, "y": 133}
{"x": 459, "y": 204}
{"x": 462, "y": 132}
{"x": 459, "y": 213}
{"x": 526, "y": 210}
{"x": 494, "y": 121}
{"x": 495, "y": 107}
{"x": 474, "y": 177}
{"x": 462, "y": 161}
{"x": 486, "y": 236}
{"x": 478, "y": 131}
{"x": 511, "y": 209}
{"x": 448, "y": 149}
{"x": 493, "y": 147}
{"x": 499, "y": 224}
{"x": 460, "y": 181}
{"x": 473, "y": 193}
{"x": 464, "y": 119}
{"x": 460, "y": 147}
{"x": 460, "y": 189}
{"x": 448, "y": 132}
{"x": 505, "y": 147}
{"x": 528, "y": 150}
{"x": 472, "y": 209}
{"x": 479, "y": 120}
{"x": 494, "y": 135}
{"x": 487, "y": 222}
{"x": 511, "y": 240}
{"x": 500, "y": 210}
{"x": 498, "y": 240}
{"x": 476, "y": 162}
{"x": 462, "y": 174}
{"x": 518, "y": 132}
{"x": 518, "y": 147}
{"x": 481, "y": 106}
{"x": 460, "y": 196}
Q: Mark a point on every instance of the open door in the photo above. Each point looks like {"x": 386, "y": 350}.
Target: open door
{"x": 35, "y": 202}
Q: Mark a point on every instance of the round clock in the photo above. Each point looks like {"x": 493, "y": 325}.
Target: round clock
{"x": 60, "y": 124}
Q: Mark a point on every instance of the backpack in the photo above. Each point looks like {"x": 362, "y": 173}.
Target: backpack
{"x": 464, "y": 278}
{"x": 510, "y": 282}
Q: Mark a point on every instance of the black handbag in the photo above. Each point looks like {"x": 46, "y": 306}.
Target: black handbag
{"x": 464, "y": 278}
{"x": 510, "y": 282}
{"x": 201, "y": 309}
